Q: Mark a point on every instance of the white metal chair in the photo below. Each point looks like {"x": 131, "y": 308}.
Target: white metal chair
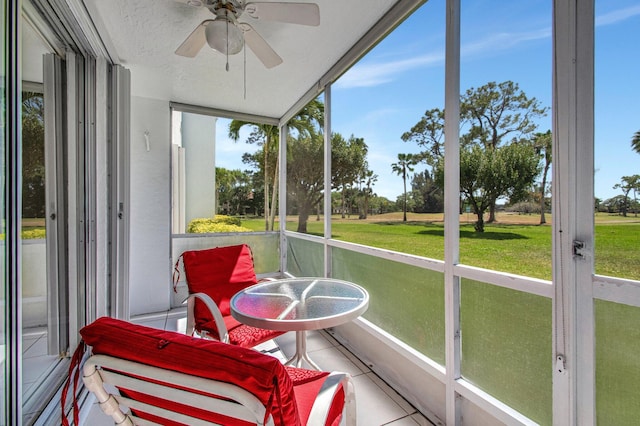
{"x": 146, "y": 376}
{"x": 213, "y": 276}
{"x": 225, "y": 402}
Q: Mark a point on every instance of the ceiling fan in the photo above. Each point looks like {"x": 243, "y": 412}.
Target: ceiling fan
{"x": 225, "y": 34}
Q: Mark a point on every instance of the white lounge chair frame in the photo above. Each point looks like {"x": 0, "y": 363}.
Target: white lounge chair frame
{"x": 215, "y": 312}
{"x": 241, "y": 404}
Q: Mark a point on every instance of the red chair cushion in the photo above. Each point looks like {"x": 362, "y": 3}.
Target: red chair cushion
{"x": 306, "y": 392}
{"x": 219, "y": 272}
{"x": 260, "y": 374}
{"x": 241, "y": 334}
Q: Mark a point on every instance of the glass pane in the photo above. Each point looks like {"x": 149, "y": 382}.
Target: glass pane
{"x": 506, "y": 346}
{"x": 617, "y": 363}
{"x": 305, "y": 258}
{"x": 617, "y": 139}
{"x": 411, "y": 308}
{"x": 41, "y": 360}
{"x": 305, "y": 169}
{"x": 505, "y": 158}
{"x": 239, "y": 191}
{"x": 37, "y": 359}
{"x": 387, "y": 183}
{"x": 34, "y": 292}
{"x": 217, "y": 174}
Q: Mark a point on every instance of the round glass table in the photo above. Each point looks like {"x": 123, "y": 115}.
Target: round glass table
{"x": 299, "y": 304}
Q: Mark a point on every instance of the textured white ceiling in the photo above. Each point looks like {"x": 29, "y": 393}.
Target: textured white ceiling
{"x": 143, "y": 35}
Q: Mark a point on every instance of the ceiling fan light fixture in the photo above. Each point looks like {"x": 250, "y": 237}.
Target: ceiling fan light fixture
{"x": 224, "y": 36}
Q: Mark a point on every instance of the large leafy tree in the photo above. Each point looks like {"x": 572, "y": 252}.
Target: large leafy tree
{"x": 305, "y": 175}
{"x": 486, "y": 174}
{"x": 404, "y": 165}
{"x": 428, "y": 195}
{"x": 307, "y": 122}
{"x": 628, "y": 184}
{"x": 428, "y": 133}
{"x": 233, "y": 191}
{"x": 348, "y": 162}
{"x": 493, "y": 116}
{"x": 305, "y": 179}
{"x": 498, "y": 114}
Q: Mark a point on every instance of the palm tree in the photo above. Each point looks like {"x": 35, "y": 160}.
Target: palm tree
{"x": 368, "y": 179}
{"x": 405, "y": 163}
{"x": 635, "y": 142}
{"x": 307, "y": 121}
{"x": 267, "y": 133}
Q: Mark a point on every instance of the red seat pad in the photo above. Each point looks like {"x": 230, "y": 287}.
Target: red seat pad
{"x": 306, "y": 393}
{"x": 260, "y": 374}
{"x": 306, "y": 385}
{"x": 241, "y": 334}
{"x": 219, "y": 272}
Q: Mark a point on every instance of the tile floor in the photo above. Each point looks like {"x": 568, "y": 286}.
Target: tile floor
{"x": 377, "y": 403}
{"x": 37, "y": 369}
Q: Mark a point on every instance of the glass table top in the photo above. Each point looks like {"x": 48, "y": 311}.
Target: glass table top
{"x": 299, "y": 303}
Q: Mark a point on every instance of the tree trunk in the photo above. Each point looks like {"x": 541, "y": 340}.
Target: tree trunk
{"x": 543, "y": 220}
{"x": 366, "y": 207}
{"x": 303, "y": 218}
{"x": 492, "y": 213}
{"x": 479, "y": 226}
{"x": 404, "y": 209}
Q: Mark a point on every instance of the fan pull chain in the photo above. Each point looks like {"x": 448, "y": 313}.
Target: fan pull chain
{"x": 245, "y": 72}
{"x": 227, "y": 49}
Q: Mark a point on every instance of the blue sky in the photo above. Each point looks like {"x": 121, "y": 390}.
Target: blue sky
{"x": 389, "y": 90}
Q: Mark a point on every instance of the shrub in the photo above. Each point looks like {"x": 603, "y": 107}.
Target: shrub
{"x": 524, "y": 208}
{"x": 229, "y": 220}
{"x": 218, "y": 224}
{"x": 30, "y": 233}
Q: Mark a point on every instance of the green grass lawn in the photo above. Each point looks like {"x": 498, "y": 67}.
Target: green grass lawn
{"x": 521, "y": 249}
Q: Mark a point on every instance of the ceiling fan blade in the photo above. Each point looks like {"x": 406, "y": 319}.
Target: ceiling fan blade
{"x": 293, "y": 13}
{"x": 260, "y": 47}
{"x": 193, "y": 44}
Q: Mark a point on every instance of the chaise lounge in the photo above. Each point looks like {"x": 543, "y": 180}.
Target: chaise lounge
{"x": 146, "y": 376}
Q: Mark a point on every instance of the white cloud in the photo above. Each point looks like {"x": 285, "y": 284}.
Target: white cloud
{"x": 616, "y": 16}
{"x": 374, "y": 74}
{"x": 502, "y": 41}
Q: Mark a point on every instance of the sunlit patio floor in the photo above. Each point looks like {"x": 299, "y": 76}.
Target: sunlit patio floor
{"x": 377, "y": 403}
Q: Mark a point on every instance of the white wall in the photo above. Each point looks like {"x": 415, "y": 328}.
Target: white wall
{"x": 198, "y": 139}
{"x": 150, "y": 246}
